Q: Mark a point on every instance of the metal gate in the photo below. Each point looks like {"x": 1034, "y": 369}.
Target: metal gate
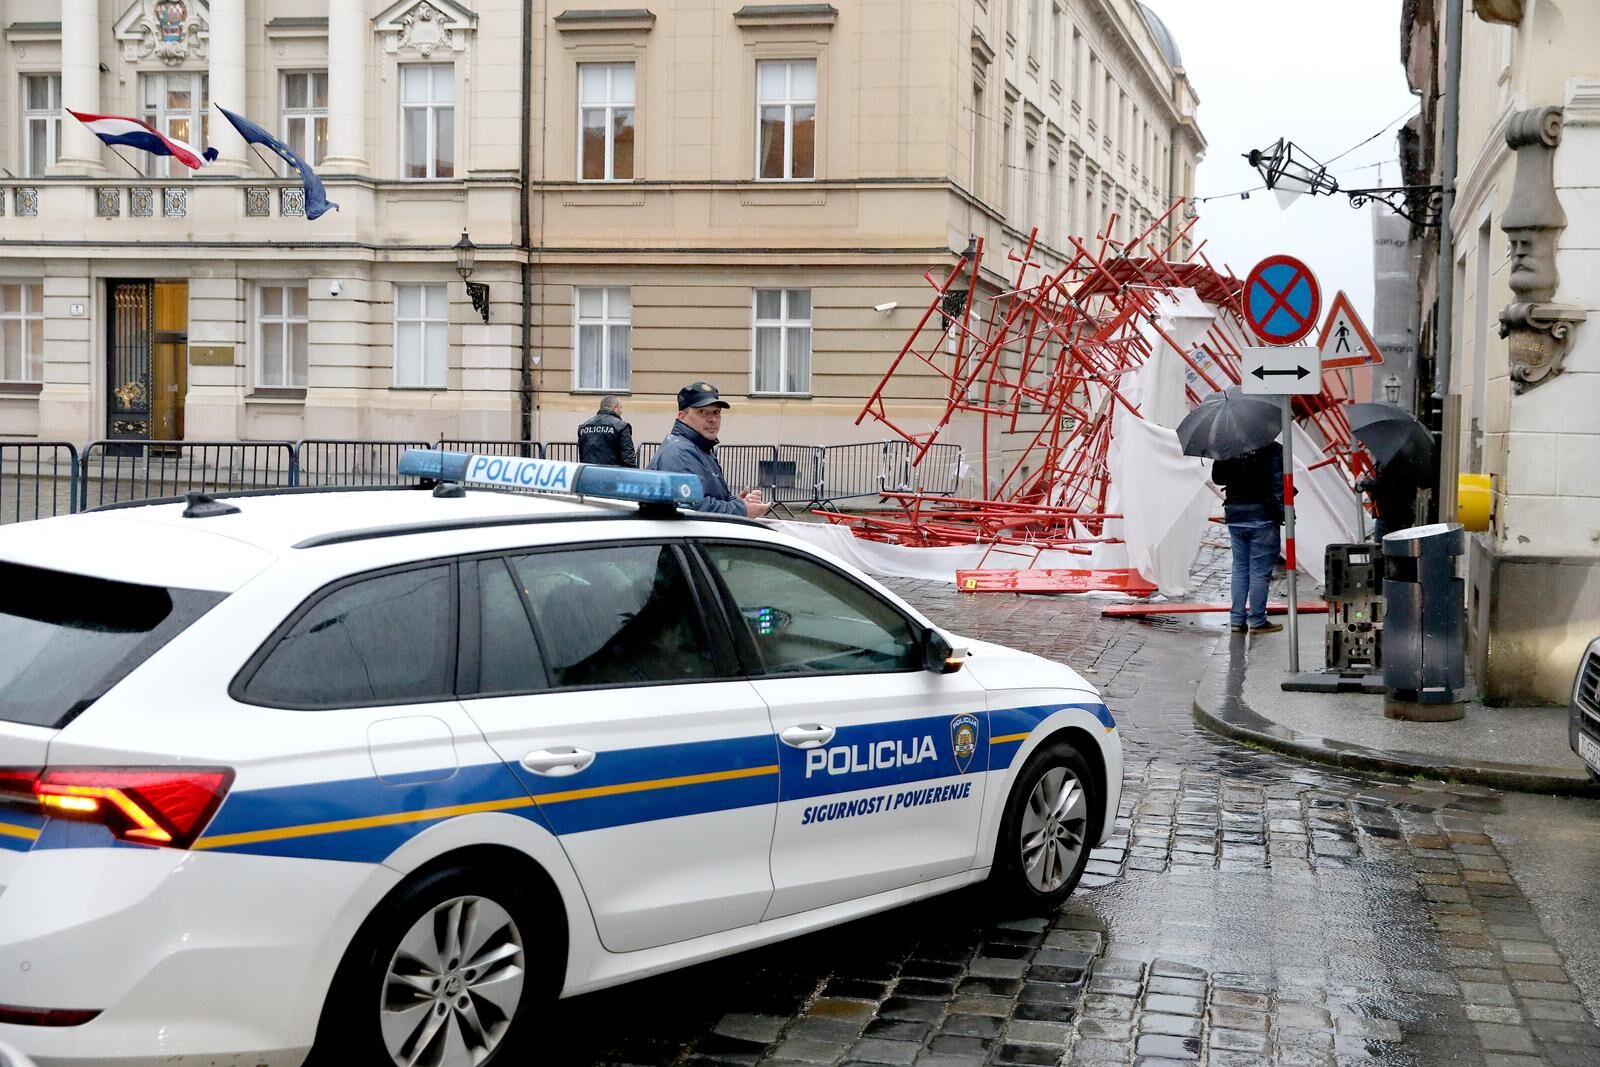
{"x": 130, "y": 332}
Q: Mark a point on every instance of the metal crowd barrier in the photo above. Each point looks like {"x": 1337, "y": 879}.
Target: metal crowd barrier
{"x": 851, "y": 471}
{"x": 113, "y": 471}
{"x": 38, "y": 480}
{"x": 939, "y": 473}
{"x": 796, "y": 475}
{"x": 523, "y": 449}
{"x": 321, "y": 461}
{"x": 565, "y": 451}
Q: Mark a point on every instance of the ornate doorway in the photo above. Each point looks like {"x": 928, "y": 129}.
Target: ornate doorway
{"x": 146, "y": 359}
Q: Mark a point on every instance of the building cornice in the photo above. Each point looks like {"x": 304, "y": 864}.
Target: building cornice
{"x": 33, "y": 31}
{"x": 786, "y": 15}
{"x": 615, "y": 20}
{"x": 1492, "y": 156}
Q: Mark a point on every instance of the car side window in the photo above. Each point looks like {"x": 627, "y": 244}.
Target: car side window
{"x": 508, "y": 656}
{"x": 804, "y": 617}
{"x": 389, "y": 639}
{"x": 617, "y": 615}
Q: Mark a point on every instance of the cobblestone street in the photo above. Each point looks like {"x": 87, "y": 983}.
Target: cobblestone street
{"x": 1250, "y": 910}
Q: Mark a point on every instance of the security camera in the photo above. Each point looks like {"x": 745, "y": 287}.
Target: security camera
{"x": 884, "y": 309}
{"x": 335, "y": 288}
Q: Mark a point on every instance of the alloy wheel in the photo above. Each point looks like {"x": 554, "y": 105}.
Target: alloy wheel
{"x": 1054, "y": 825}
{"x": 453, "y": 985}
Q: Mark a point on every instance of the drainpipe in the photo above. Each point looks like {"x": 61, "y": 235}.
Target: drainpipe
{"x": 525, "y": 238}
{"x": 1444, "y": 316}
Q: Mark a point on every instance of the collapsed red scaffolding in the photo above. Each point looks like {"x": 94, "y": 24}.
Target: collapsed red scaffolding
{"x": 1044, "y": 372}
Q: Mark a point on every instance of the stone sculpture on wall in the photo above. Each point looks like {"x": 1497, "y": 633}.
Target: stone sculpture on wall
{"x": 1539, "y": 331}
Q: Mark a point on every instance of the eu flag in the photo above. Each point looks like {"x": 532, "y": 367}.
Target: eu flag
{"x": 317, "y": 203}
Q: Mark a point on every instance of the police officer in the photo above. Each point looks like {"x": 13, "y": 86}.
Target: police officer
{"x": 689, "y": 449}
{"x": 606, "y": 439}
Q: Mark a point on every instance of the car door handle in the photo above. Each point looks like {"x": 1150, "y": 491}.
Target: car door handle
{"x": 809, "y": 736}
{"x": 558, "y": 762}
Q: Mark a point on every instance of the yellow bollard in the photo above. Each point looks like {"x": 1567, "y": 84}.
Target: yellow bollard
{"x": 1474, "y": 496}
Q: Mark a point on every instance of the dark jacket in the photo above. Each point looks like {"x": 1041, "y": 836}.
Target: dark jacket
{"x": 685, "y": 451}
{"x": 1252, "y": 485}
{"x": 607, "y": 439}
{"x": 1393, "y": 491}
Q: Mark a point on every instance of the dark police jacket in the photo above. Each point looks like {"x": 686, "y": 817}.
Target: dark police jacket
{"x": 1252, "y": 485}
{"x": 687, "y": 452}
{"x": 606, "y": 439}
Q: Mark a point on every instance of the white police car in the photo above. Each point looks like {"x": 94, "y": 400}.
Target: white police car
{"x": 375, "y": 775}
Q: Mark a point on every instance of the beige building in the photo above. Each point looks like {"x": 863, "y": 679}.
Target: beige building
{"x": 157, "y": 302}
{"x": 747, "y": 192}
{"x": 1534, "y": 576}
{"x": 752, "y": 192}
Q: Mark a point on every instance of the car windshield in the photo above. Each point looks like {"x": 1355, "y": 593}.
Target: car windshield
{"x": 67, "y": 638}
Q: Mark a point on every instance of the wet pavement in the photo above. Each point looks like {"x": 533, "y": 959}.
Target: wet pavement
{"x": 1251, "y": 910}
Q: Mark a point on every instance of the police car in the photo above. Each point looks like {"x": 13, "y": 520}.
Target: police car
{"x": 375, "y": 776}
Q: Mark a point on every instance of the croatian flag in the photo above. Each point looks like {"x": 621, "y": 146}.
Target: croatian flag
{"x": 134, "y": 133}
{"x": 317, "y": 202}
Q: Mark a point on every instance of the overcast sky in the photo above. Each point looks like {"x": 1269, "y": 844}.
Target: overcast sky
{"x": 1325, "y": 77}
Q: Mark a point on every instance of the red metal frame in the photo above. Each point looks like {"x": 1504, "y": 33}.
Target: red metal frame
{"x": 1042, "y": 373}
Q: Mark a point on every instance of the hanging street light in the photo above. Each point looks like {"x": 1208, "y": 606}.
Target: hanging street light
{"x": 1291, "y": 172}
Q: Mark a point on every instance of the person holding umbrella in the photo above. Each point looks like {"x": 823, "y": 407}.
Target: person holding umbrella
{"x": 1402, "y": 450}
{"x": 1239, "y": 433}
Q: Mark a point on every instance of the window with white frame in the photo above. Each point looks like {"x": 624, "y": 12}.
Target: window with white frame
{"x": 21, "y": 331}
{"x": 282, "y": 319}
{"x": 427, "y": 120}
{"x": 605, "y": 121}
{"x": 421, "y": 342}
{"x": 786, "y": 118}
{"x": 41, "y": 123}
{"x": 602, "y": 343}
{"x": 305, "y": 114}
{"x": 975, "y": 149}
{"x": 781, "y": 351}
{"x": 1058, "y": 55}
{"x": 177, "y": 104}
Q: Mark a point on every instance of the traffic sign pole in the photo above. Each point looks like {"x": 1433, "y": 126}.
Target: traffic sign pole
{"x": 1281, "y": 300}
{"x": 1288, "y": 534}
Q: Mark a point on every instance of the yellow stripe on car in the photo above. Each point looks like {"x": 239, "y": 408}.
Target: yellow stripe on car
{"x": 281, "y": 833}
{"x": 27, "y": 833}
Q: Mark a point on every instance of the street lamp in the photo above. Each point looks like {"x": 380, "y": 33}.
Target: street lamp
{"x": 1291, "y": 172}
{"x": 466, "y": 263}
{"x": 1391, "y": 389}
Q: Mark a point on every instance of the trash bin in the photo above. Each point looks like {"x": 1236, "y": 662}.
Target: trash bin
{"x": 1424, "y": 626}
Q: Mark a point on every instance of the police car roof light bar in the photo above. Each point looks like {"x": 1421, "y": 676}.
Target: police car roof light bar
{"x": 552, "y": 476}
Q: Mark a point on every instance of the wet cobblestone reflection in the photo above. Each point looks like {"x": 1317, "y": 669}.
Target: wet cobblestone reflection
{"x": 1249, "y": 911}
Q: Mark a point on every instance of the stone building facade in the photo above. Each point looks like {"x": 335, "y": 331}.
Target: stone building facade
{"x": 745, "y": 192}
{"x": 1522, "y": 395}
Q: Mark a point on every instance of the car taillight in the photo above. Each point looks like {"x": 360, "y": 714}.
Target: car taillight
{"x": 146, "y": 805}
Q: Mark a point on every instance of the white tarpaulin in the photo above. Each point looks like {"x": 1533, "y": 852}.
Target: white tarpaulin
{"x": 1164, "y": 499}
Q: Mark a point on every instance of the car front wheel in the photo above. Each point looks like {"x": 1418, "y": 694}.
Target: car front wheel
{"x": 441, "y": 976}
{"x": 1044, "y": 835}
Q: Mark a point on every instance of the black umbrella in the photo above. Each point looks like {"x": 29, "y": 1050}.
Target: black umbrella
{"x": 1392, "y": 435}
{"x": 1229, "y": 424}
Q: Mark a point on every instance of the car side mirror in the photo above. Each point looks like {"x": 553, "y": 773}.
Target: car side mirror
{"x": 938, "y": 656}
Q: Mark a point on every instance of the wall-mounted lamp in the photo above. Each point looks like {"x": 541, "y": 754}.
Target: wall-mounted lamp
{"x": 1391, "y": 389}
{"x": 466, "y": 263}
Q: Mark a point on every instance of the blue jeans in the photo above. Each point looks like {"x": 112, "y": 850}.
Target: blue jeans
{"x": 1255, "y": 550}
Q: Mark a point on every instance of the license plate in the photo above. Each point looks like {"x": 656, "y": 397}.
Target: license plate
{"x": 1589, "y": 750}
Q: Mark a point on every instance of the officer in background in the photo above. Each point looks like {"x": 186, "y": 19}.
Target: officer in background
{"x": 606, "y": 439}
{"x": 689, "y": 449}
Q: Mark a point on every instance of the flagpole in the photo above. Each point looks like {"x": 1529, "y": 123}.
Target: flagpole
{"x": 124, "y": 158}
{"x": 264, "y": 160}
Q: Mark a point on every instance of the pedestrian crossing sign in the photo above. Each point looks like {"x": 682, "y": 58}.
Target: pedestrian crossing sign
{"x": 1345, "y": 341}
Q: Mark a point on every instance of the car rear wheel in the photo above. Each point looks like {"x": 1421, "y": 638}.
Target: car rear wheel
{"x": 1044, "y": 834}
{"x": 440, "y": 976}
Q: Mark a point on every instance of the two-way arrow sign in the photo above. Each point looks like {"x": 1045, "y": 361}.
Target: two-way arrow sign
{"x": 1277, "y": 371}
